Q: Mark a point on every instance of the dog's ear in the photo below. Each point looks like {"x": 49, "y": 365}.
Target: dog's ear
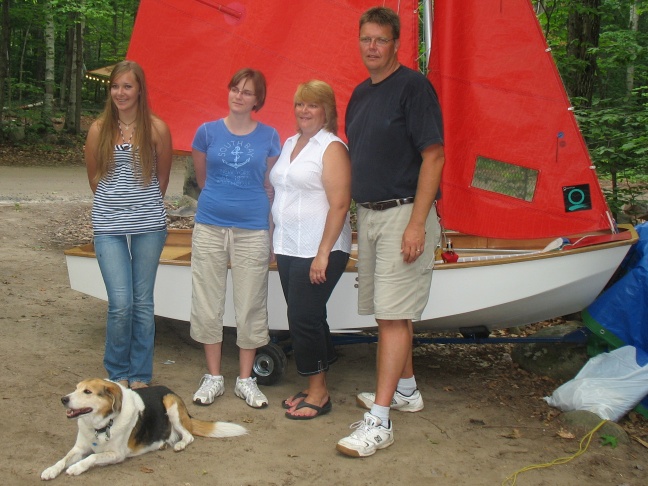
{"x": 114, "y": 392}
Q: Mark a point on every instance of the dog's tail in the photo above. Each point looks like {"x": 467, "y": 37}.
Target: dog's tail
{"x": 216, "y": 429}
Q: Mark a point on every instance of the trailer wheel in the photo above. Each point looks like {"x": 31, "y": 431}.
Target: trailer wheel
{"x": 269, "y": 364}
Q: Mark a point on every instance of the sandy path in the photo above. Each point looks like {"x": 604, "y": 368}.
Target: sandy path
{"x": 56, "y": 184}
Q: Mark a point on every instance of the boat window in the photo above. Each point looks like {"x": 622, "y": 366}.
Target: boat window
{"x": 504, "y": 178}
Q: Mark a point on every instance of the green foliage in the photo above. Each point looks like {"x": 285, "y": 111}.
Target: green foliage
{"x": 615, "y": 130}
{"x": 618, "y": 47}
{"x": 29, "y": 90}
{"x": 25, "y": 125}
{"x": 108, "y": 25}
{"x": 609, "y": 440}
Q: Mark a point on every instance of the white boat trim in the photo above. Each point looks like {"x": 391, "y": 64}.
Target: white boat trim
{"x": 500, "y": 293}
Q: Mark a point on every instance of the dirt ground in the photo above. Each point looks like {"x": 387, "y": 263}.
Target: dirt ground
{"x": 484, "y": 417}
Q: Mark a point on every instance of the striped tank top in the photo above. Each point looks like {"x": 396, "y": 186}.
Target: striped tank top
{"x": 122, "y": 205}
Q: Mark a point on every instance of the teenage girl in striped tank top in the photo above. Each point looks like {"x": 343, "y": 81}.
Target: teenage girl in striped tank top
{"x": 128, "y": 158}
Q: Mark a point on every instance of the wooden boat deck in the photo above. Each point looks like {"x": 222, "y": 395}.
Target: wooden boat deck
{"x": 489, "y": 251}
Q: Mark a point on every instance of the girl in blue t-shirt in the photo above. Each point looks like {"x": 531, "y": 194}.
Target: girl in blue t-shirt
{"x": 232, "y": 159}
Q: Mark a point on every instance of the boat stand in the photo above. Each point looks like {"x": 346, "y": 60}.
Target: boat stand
{"x": 579, "y": 336}
{"x": 270, "y": 361}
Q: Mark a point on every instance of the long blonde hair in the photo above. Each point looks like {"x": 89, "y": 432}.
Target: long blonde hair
{"x": 143, "y": 151}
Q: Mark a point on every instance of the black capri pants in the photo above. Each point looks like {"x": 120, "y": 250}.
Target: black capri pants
{"x": 309, "y": 329}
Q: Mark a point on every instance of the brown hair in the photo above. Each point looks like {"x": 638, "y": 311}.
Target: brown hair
{"x": 258, "y": 81}
{"x": 382, "y": 16}
{"x": 143, "y": 151}
{"x": 316, "y": 91}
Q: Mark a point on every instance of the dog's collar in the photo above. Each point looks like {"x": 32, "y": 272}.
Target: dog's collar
{"x": 104, "y": 430}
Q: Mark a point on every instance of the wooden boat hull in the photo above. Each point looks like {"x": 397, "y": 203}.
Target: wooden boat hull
{"x": 495, "y": 293}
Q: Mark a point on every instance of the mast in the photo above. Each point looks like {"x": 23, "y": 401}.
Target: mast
{"x": 428, "y": 16}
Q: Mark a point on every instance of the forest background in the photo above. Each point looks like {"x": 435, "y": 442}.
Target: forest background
{"x": 600, "y": 47}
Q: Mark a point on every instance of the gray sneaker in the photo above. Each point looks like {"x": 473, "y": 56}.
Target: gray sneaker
{"x": 413, "y": 403}
{"x": 248, "y": 390}
{"x": 370, "y": 435}
{"x": 210, "y": 387}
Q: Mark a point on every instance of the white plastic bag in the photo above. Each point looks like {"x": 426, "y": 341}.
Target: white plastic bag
{"x": 609, "y": 385}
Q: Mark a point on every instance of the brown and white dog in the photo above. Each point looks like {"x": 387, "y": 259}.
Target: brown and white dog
{"x": 116, "y": 422}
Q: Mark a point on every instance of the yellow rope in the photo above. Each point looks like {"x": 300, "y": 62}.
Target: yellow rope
{"x": 511, "y": 480}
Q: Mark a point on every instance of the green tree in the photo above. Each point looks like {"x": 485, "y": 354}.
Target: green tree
{"x": 44, "y": 42}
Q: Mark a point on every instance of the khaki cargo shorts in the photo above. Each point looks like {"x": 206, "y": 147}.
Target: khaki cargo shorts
{"x": 388, "y": 287}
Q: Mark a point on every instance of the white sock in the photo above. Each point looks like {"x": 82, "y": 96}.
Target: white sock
{"x": 406, "y": 386}
{"x": 381, "y": 412}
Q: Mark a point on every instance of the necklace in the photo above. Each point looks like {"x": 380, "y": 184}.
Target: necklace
{"x": 127, "y": 125}
{"x": 119, "y": 122}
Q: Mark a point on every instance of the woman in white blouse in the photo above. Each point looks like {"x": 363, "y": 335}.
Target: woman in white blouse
{"x": 312, "y": 237}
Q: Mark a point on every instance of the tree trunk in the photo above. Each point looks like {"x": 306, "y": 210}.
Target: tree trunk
{"x": 22, "y": 62}
{"x": 115, "y": 26}
{"x": 4, "y": 56}
{"x": 541, "y": 8}
{"x": 79, "y": 74}
{"x": 583, "y": 30}
{"x": 73, "y": 112}
{"x": 71, "y": 91}
{"x": 634, "y": 27}
{"x": 48, "y": 101}
{"x": 69, "y": 62}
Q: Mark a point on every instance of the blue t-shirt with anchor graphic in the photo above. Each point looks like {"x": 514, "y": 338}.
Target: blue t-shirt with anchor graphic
{"x": 234, "y": 195}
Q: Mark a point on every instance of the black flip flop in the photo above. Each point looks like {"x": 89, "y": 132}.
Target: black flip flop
{"x": 295, "y": 396}
{"x": 323, "y": 410}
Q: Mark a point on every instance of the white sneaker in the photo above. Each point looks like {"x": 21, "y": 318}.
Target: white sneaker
{"x": 413, "y": 403}
{"x": 370, "y": 435}
{"x": 248, "y": 390}
{"x": 211, "y": 386}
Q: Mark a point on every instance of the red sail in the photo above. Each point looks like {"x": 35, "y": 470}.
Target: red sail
{"x": 516, "y": 163}
{"x": 190, "y": 48}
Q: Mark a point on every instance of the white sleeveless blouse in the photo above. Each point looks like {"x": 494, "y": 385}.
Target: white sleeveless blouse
{"x": 300, "y": 205}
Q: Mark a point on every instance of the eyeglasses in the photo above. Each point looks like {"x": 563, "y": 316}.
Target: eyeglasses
{"x": 380, "y": 41}
{"x": 246, "y": 93}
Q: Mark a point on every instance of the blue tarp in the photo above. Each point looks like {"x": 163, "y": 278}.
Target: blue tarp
{"x": 620, "y": 314}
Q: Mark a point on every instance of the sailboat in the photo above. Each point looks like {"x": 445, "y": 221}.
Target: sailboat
{"x": 521, "y": 204}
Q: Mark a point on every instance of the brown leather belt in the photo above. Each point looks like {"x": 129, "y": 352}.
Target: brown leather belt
{"x": 388, "y": 204}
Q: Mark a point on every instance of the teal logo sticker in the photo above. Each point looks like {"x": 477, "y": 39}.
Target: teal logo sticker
{"x": 577, "y": 198}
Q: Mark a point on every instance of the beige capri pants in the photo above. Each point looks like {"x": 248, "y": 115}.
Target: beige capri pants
{"x": 247, "y": 252}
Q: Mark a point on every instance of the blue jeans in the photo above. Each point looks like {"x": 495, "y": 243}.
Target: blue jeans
{"x": 129, "y": 265}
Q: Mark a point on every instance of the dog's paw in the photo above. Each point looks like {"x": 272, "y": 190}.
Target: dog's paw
{"x": 76, "y": 469}
{"x": 179, "y": 446}
{"x": 51, "y": 473}
{"x": 182, "y": 444}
